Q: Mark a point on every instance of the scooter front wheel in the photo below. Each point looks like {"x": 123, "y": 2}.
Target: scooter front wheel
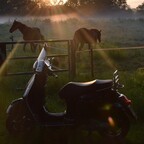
{"x": 18, "y": 121}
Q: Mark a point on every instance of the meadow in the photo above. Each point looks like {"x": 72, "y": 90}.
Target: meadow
{"x": 116, "y": 33}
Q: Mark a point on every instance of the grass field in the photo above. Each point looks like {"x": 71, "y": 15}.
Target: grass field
{"x": 130, "y": 63}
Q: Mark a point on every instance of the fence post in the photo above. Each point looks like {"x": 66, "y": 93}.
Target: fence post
{"x": 92, "y": 65}
{"x": 69, "y": 58}
{"x": 2, "y": 55}
{"x": 72, "y": 61}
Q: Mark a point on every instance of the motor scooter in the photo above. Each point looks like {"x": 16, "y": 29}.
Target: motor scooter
{"x": 93, "y": 106}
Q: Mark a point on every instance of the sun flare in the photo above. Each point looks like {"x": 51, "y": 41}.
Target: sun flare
{"x": 58, "y": 2}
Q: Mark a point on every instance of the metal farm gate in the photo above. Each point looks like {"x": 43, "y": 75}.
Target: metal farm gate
{"x": 5, "y": 56}
{"x": 71, "y": 56}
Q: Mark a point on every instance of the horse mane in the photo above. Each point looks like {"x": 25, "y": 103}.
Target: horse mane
{"x": 22, "y": 24}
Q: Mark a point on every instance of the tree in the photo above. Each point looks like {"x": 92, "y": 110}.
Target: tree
{"x": 72, "y": 3}
{"x": 119, "y": 4}
{"x": 140, "y": 8}
{"x": 17, "y": 6}
{"x": 3, "y": 6}
{"x": 122, "y": 4}
{"x": 36, "y": 6}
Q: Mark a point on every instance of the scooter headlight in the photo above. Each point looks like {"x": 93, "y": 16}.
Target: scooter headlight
{"x": 38, "y": 66}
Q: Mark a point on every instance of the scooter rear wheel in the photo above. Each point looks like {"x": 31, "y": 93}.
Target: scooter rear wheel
{"x": 117, "y": 126}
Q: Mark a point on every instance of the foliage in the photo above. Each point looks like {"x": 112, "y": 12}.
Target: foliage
{"x": 37, "y": 7}
{"x": 140, "y": 8}
{"x": 101, "y": 4}
{"x": 16, "y": 6}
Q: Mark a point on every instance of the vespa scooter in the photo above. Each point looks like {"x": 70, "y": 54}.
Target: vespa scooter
{"x": 94, "y": 106}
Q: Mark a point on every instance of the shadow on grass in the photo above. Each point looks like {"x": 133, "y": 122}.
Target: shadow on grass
{"x": 61, "y": 136}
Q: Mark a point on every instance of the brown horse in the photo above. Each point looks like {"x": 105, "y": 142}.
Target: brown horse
{"x": 84, "y": 35}
{"x": 29, "y": 33}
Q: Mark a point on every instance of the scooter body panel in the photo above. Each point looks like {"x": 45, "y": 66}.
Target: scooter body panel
{"x": 90, "y": 105}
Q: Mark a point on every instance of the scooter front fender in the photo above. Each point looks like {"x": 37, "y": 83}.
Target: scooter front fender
{"x": 14, "y": 104}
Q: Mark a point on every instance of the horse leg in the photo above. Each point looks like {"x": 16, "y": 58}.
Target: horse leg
{"x": 81, "y": 46}
{"x": 39, "y": 47}
{"x": 33, "y": 47}
{"x": 24, "y": 47}
{"x": 90, "y": 48}
{"x": 95, "y": 44}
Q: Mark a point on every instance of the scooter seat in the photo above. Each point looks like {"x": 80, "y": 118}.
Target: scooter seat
{"x": 78, "y": 88}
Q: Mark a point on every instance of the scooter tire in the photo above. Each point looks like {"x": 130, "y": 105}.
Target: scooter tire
{"x": 118, "y": 126}
{"x": 18, "y": 121}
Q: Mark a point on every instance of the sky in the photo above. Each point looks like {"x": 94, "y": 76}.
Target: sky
{"x": 134, "y": 3}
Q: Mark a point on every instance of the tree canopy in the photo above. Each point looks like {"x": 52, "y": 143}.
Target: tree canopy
{"x": 99, "y": 3}
{"x": 35, "y": 6}
{"x": 140, "y": 8}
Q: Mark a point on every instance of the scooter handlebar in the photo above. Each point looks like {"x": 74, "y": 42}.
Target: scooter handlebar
{"x": 50, "y": 69}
